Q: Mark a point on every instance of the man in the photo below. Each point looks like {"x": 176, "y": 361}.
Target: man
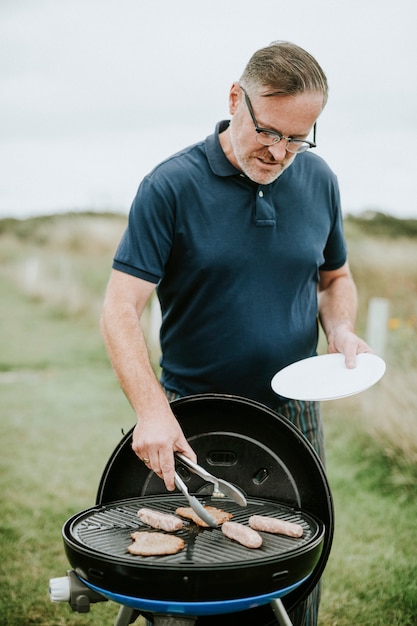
{"x": 242, "y": 236}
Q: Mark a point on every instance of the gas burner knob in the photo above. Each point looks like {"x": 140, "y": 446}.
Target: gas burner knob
{"x": 60, "y": 589}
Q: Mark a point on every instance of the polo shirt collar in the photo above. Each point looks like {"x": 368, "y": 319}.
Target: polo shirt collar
{"x": 217, "y": 159}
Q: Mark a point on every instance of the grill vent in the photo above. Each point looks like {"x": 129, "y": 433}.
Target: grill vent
{"x": 223, "y": 458}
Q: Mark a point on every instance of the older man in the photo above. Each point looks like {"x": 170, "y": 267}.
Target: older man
{"x": 241, "y": 234}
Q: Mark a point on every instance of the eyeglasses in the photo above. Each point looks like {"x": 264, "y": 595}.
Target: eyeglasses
{"x": 270, "y": 137}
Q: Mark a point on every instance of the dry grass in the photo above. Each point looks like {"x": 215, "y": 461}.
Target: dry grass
{"x": 390, "y": 420}
{"x": 386, "y": 267}
{"x": 63, "y": 261}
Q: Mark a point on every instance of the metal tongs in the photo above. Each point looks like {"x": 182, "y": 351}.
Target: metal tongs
{"x": 221, "y": 487}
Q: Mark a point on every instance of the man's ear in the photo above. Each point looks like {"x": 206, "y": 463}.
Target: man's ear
{"x": 234, "y": 97}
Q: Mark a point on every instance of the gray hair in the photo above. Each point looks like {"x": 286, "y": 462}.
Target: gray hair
{"x": 284, "y": 69}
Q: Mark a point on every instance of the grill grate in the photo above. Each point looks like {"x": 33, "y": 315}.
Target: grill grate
{"x": 106, "y": 530}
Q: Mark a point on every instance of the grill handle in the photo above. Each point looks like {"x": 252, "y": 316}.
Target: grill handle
{"x": 71, "y": 589}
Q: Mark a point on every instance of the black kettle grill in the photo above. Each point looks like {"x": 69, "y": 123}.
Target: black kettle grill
{"x": 250, "y": 446}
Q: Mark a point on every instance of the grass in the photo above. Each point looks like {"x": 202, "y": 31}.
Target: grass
{"x": 63, "y": 414}
{"x": 371, "y": 577}
{"x": 60, "y": 422}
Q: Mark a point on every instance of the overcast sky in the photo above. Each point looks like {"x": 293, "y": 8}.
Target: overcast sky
{"x": 94, "y": 93}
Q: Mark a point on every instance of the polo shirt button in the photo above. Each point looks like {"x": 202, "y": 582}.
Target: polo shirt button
{"x": 261, "y": 194}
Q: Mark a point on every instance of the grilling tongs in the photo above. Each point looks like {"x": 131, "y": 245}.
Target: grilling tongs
{"x": 220, "y": 487}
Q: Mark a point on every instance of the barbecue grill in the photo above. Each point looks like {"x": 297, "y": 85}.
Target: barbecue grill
{"x": 250, "y": 446}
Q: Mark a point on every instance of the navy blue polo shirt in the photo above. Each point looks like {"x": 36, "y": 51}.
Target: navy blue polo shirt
{"x": 236, "y": 266}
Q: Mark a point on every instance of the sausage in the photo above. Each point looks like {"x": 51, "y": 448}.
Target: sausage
{"x": 274, "y": 525}
{"x": 161, "y": 521}
{"x": 242, "y": 534}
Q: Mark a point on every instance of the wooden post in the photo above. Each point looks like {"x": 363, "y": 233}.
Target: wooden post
{"x": 377, "y": 325}
{"x": 32, "y": 269}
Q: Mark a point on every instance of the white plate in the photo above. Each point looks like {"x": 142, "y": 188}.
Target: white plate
{"x": 326, "y": 377}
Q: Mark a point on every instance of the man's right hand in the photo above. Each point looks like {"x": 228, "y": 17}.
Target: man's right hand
{"x": 155, "y": 439}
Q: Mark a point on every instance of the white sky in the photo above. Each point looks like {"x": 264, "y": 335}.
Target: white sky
{"x": 94, "y": 93}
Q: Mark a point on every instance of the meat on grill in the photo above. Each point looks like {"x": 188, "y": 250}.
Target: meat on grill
{"x": 242, "y": 534}
{"x": 152, "y": 544}
{"x": 161, "y": 521}
{"x": 274, "y": 525}
{"x": 219, "y": 515}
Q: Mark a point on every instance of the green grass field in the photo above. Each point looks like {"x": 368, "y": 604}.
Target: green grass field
{"x": 62, "y": 414}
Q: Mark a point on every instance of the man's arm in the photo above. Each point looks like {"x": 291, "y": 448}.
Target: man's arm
{"x": 338, "y": 304}
{"x": 157, "y": 434}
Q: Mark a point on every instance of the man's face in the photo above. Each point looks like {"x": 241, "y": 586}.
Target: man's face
{"x": 292, "y": 116}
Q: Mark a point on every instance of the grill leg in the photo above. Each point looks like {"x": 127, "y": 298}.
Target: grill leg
{"x": 127, "y": 616}
{"x": 124, "y": 616}
{"x": 173, "y": 620}
{"x": 280, "y": 613}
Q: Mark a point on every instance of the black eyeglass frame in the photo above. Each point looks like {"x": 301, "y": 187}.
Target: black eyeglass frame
{"x": 275, "y": 135}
